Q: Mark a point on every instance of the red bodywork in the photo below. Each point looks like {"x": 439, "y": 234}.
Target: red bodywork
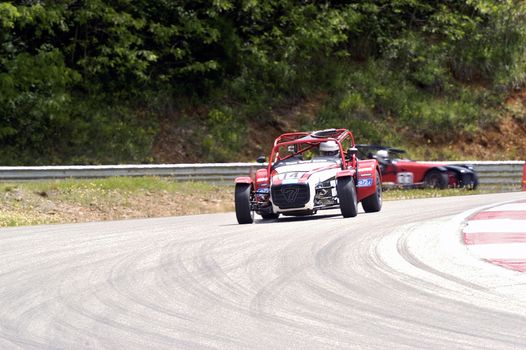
{"x": 391, "y": 172}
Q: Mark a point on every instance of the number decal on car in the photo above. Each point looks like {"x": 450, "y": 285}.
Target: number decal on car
{"x": 365, "y": 182}
{"x": 404, "y": 178}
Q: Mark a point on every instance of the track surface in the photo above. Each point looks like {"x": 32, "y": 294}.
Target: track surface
{"x": 396, "y": 279}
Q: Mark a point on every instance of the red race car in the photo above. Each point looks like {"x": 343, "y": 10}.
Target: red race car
{"x": 408, "y": 173}
{"x": 307, "y": 172}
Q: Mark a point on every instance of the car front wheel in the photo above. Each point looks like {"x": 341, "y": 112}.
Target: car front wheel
{"x": 347, "y": 197}
{"x": 244, "y": 213}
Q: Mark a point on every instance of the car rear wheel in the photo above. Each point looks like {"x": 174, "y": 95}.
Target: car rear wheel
{"x": 436, "y": 179}
{"x": 244, "y": 213}
{"x": 347, "y": 197}
{"x": 373, "y": 203}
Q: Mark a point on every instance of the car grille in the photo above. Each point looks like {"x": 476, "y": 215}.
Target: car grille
{"x": 290, "y": 195}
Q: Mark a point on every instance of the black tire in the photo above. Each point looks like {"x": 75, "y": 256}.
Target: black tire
{"x": 475, "y": 183}
{"x": 436, "y": 179}
{"x": 244, "y": 214}
{"x": 270, "y": 216}
{"x": 470, "y": 181}
{"x": 373, "y": 203}
{"x": 347, "y": 197}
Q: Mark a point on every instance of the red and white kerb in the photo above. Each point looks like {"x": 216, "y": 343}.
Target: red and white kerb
{"x": 498, "y": 235}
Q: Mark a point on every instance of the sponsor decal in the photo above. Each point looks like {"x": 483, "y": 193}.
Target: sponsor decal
{"x": 360, "y": 169}
{"x": 365, "y": 182}
{"x": 366, "y": 175}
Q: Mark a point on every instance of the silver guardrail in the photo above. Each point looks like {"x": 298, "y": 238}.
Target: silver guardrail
{"x": 220, "y": 173}
{"x": 500, "y": 175}
{"x": 506, "y": 175}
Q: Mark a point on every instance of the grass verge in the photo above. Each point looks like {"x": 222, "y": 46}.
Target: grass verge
{"x": 83, "y": 200}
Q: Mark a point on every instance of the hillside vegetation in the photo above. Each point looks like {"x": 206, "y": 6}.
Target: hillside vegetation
{"x": 128, "y": 81}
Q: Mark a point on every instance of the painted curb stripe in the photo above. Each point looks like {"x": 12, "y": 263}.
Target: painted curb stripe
{"x": 515, "y": 264}
{"x": 494, "y": 238}
{"x": 511, "y": 251}
{"x": 498, "y": 235}
{"x": 509, "y": 207}
{"x": 488, "y": 215}
{"x": 496, "y": 226}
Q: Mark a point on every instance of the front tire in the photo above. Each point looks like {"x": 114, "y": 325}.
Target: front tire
{"x": 347, "y": 197}
{"x": 373, "y": 203}
{"x": 436, "y": 179}
{"x": 244, "y": 214}
{"x": 470, "y": 181}
{"x": 475, "y": 182}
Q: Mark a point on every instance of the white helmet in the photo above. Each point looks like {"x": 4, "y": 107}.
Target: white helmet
{"x": 329, "y": 148}
{"x": 382, "y": 153}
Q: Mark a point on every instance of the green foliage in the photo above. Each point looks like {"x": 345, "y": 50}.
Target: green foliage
{"x": 8, "y": 15}
{"x": 49, "y": 112}
{"x": 80, "y": 80}
{"x": 224, "y": 136}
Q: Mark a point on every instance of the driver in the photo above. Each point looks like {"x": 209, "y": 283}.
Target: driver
{"x": 329, "y": 149}
{"x": 382, "y": 155}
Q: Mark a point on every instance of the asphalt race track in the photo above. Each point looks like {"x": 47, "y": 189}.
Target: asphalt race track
{"x": 398, "y": 279}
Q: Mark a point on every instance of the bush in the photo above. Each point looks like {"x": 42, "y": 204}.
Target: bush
{"x": 224, "y": 136}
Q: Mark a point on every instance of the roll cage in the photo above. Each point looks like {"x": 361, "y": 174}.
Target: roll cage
{"x": 305, "y": 141}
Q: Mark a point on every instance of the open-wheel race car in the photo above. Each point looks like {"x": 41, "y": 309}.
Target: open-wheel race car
{"x": 307, "y": 172}
{"x": 399, "y": 172}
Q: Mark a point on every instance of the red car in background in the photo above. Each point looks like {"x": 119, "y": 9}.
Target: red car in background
{"x": 402, "y": 172}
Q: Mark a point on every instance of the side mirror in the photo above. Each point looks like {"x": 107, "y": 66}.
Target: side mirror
{"x": 261, "y": 159}
{"x": 352, "y": 152}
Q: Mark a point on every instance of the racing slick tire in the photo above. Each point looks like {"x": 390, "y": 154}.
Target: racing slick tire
{"x": 244, "y": 214}
{"x": 373, "y": 203}
{"x": 347, "y": 196}
{"x": 436, "y": 179}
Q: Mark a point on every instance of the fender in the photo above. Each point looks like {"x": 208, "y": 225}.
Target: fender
{"x": 439, "y": 168}
{"x": 464, "y": 176}
{"x": 366, "y": 168}
{"x": 459, "y": 169}
{"x": 262, "y": 178}
{"x": 244, "y": 180}
{"x": 366, "y": 183}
